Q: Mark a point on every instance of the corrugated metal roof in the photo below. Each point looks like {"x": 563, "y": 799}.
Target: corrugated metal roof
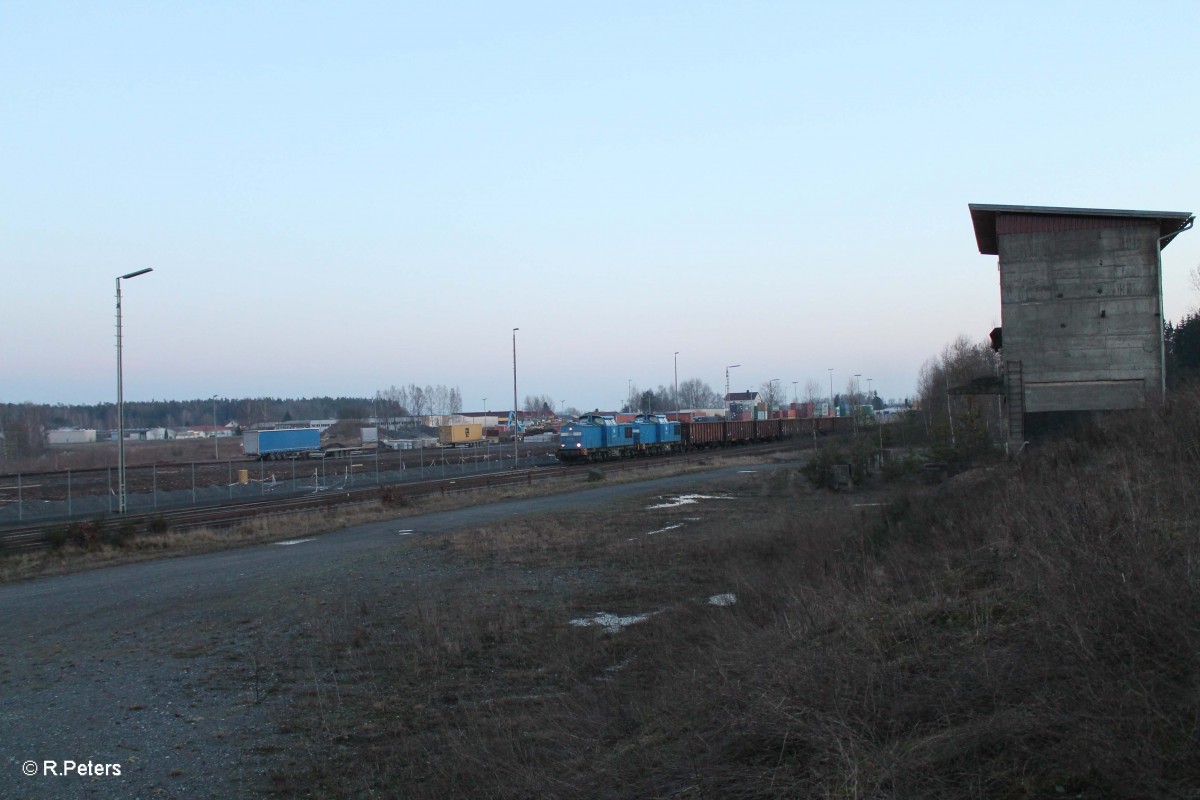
{"x": 987, "y": 220}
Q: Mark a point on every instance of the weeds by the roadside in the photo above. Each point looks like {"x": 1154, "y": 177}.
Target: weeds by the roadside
{"x": 1024, "y": 631}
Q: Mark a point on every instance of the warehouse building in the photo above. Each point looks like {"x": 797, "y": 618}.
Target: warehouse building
{"x": 1081, "y": 307}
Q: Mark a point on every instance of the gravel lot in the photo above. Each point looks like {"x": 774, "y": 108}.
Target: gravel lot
{"x": 159, "y": 667}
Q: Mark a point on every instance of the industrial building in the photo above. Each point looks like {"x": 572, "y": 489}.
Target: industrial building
{"x": 1081, "y": 307}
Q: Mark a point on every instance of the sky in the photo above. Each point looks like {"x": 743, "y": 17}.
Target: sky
{"x": 336, "y": 198}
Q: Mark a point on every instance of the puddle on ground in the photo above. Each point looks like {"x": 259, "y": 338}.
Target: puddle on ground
{"x": 688, "y": 499}
{"x": 612, "y": 623}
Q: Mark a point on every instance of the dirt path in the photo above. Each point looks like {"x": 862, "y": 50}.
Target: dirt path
{"x": 157, "y": 669}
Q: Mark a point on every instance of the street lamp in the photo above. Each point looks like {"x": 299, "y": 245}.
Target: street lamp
{"x": 121, "y": 397}
{"x": 216, "y": 455}
{"x": 870, "y": 396}
{"x": 677, "y": 386}
{"x": 516, "y": 424}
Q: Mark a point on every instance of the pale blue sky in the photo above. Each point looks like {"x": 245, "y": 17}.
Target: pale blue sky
{"x": 340, "y": 197}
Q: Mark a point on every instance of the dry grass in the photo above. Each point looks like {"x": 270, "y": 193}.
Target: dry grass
{"x": 1032, "y": 632}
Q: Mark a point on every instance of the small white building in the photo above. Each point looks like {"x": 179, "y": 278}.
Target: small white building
{"x": 71, "y": 436}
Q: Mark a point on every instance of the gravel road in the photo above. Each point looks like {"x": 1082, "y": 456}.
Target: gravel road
{"x": 151, "y": 672}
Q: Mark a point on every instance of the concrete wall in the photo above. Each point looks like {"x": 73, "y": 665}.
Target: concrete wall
{"x": 1082, "y": 313}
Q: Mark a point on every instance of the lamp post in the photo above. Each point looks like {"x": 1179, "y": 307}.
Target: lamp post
{"x": 831, "y": 391}
{"x": 121, "y": 397}
{"x": 516, "y": 423}
{"x": 216, "y": 454}
{"x": 870, "y": 396}
{"x": 677, "y": 386}
{"x": 731, "y": 366}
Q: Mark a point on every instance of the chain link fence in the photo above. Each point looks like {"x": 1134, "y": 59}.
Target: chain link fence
{"x": 87, "y": 494}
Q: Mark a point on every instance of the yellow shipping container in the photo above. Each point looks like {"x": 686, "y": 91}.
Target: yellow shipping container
{"x": 455, "y": 435}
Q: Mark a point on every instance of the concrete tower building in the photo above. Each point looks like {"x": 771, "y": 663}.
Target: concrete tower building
{"x": 1081, "y": 306}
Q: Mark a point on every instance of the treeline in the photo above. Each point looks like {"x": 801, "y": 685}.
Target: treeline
{"x": 693, "y": 393}
{"x": 1183, "y": 349}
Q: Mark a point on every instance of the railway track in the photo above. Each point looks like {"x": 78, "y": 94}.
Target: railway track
{"x": 36, "y": 537}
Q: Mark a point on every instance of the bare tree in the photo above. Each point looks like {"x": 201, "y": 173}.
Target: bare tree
{"x": 695, "y": 393}
{"x": 812, "y": 391}
{"x": 541, "y": 404}
{"x": 960, "y": 363}
{"x": 773, "y": 394}
{"x": 418, "y": 403}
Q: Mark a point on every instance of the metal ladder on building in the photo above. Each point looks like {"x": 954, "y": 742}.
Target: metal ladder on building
{"x": 1014, "y": 395}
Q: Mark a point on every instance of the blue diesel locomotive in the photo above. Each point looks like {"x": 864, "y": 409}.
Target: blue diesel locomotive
{"x": 599, "y": 437}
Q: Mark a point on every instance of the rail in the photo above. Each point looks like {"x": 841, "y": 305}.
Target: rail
{"x": 31, "y": 538}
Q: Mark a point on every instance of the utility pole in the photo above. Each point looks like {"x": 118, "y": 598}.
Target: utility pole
{"x": 731, "y": 366}
{"x": 516, "y": 417}
{"x": 121, "y": 397}
{"x": 677, "y": 386}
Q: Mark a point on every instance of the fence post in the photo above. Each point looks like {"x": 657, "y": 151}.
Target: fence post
{"x": 69, "y": 512}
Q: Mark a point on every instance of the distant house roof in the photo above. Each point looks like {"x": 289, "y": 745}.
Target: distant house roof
{"x": 984, "y": 217}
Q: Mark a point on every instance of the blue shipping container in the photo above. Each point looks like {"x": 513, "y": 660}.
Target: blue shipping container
{"x": 267, "y": 444}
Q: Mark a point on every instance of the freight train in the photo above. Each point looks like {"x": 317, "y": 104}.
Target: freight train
{"x": 599, "y": 437}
